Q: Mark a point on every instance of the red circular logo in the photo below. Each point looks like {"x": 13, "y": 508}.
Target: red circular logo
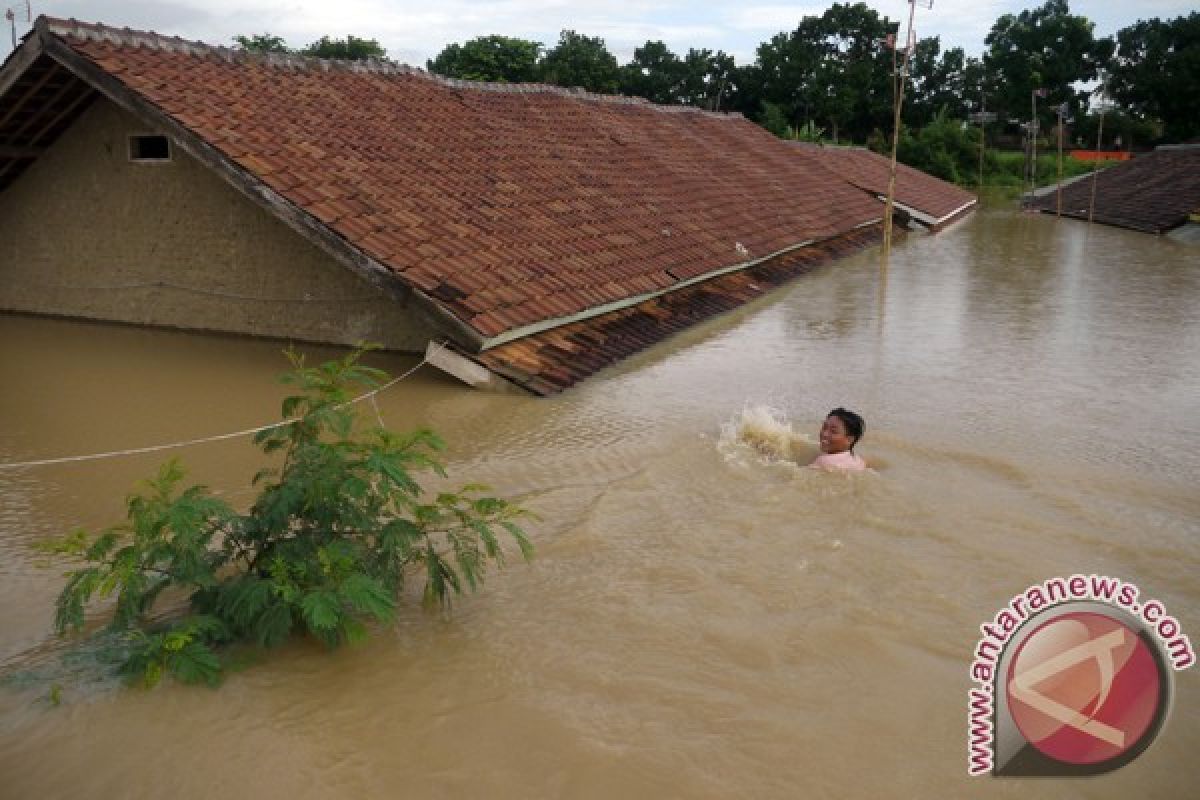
{"x": 1083, "y": 688}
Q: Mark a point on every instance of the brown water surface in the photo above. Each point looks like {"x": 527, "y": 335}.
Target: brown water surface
{"x": 702, "y": 620}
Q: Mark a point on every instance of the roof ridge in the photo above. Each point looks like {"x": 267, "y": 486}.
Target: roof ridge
{"x": 128, "y": 37}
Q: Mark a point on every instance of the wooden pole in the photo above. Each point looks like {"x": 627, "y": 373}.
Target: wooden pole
{"x": 898, "y": 87}
{"x": 982, "y": 135}
{"x": 1033, "y": 132}
{"x": 1096, "y": 169}
{"x": 1058, "y": 206}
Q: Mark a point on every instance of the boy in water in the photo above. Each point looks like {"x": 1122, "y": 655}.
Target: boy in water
{"x": 840, "y": 432}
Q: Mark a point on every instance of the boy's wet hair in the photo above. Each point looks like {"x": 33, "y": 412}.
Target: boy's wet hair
{"x": 855, "y": 425}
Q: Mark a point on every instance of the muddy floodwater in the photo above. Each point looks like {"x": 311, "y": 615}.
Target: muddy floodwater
{"x": 704, "y": 618}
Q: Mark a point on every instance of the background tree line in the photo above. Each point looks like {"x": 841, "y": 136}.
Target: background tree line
{"x": 832, "y": 75}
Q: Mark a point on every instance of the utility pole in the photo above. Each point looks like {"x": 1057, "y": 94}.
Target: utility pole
{"x": 982, "y": 117}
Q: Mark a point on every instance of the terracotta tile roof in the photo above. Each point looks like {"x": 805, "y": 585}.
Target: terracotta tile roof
{"x": 1153, "y": 193}
{"x": 936, "y": 201}
{"x": 550, "y": 361}
{"x": 510, "y": 205}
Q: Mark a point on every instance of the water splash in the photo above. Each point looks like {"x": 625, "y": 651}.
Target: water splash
{"x": 767, "y": 434}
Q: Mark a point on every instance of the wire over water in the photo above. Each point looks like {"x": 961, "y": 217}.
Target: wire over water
{"x": 216, "y": 438}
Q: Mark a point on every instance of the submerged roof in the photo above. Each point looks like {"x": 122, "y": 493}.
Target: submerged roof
{"x": 932, "y": 201}
{"x": 512, "y": 207}
{"x": 1152, "y": 193}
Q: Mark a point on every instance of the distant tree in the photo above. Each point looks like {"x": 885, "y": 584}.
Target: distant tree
{"x": 351, "y": 48}
{"x": 1134, "y": 130}
{"x": 833, "y": 69}
{"x": 1156, "y": 73}
{"x": 938, "y": 83}
{"x": 501, "y": 59}
{"x": 942, "y": 148}
{"x": 584, "y": 61}
{"x": 262, "y": 43}
{"x": 654, "y": 73}
{"x": 774, "y": 119}
{"x": 1044, "y": 48}
{"x": 708, "y": 78}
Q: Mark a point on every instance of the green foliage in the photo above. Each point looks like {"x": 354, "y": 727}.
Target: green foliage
{"x": 324, "y": 549}
{"x": 262, "y": 43}
{"x": 775, "y": 119}
{"x": 1155, "y": 73}
{"x": 809, "y": 132}
{"x": 352, "y": 48}
{"x": 833, "y": 69}
{"x": 1044, "y": 48}
{"x": 583, "y": 61}
{"x": 943, "y": 148}
{"x": 701, "y": 78}
{"x": 1132, "y": 130}
{"x": 654, "y": 73}
{"x": 500, "y": 59}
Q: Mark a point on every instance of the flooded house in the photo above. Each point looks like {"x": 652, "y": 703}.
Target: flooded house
{"x": 535, "y": 234}
{"x": 1156, "y": 192}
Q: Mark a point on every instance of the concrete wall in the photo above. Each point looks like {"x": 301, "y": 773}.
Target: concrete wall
{"x": 85, "y": 232}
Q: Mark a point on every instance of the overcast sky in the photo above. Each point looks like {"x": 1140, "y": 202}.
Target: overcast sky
{"x": 415, "y": 30}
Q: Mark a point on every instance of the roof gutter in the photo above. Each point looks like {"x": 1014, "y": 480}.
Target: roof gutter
{"x": 44, "y": 39}
{"x": 617, "y": 305}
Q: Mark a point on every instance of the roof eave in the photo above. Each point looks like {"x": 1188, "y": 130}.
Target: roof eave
{"x": 596, "y": 311}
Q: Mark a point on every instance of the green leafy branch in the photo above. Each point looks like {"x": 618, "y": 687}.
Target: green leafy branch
{"x": 323, "y": 551}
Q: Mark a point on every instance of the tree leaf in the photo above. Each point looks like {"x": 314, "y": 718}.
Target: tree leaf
{"x": 364, "y": 593}
{"x": 195, "y": 662}
{"x": 321, "y": 610}
{"x": 274, "y": 625}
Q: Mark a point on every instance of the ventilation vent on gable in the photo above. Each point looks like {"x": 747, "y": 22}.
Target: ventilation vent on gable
{"x": 149, "y": 148}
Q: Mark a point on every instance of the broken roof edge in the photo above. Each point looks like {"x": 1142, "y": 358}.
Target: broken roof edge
{"x": 127, "y": 37}
{"x": 43, "y": 41}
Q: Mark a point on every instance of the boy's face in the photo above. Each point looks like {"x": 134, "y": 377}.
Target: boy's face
{"x": 834, "y": 438}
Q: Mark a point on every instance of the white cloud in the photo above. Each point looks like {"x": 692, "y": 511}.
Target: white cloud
{"x": 773, "y": 18}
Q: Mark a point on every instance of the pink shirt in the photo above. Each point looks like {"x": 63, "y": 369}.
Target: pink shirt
{"x": 846, "y": 461}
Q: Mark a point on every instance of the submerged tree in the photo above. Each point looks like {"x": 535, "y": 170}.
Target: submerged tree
{"x": 324, "y": 549}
